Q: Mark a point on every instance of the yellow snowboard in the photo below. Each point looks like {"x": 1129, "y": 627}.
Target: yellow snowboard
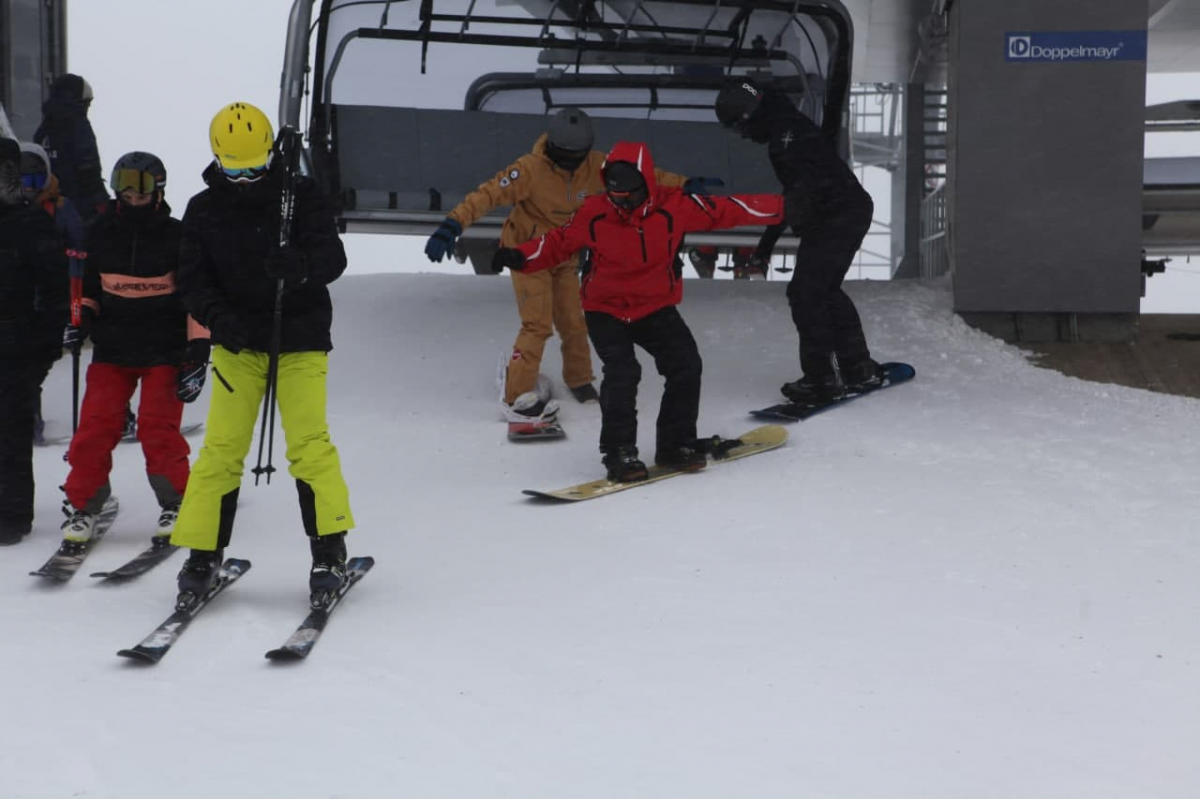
{"x": 757, "y": 440}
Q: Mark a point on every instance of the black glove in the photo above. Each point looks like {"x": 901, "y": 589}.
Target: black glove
{"x": 75, "y": 335}
{"x": 229, "y": 332}
{"x": 288, "y": 264}
{"x": 442, "y": 240}
{"x": 508, "y": 257}
{"x": 701, "y": 185}
{"x": 189, "y": 380}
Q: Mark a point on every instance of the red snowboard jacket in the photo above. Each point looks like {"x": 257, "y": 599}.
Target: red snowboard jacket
{"x": 632, "y": 272}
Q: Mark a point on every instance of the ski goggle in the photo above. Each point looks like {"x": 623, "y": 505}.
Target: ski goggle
{"x": 34, "y": 180}
{"x": 135, "y": 180}
{"x": 628, "y": 200}
{"x": 246, "y": 174}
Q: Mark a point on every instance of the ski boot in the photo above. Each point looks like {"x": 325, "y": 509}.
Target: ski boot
{"x": 166, "y": 523}
{"x": 77, "y": 530}
{"x": 623, "y": 464}
{"x": 328, "y": 568}
{"x": 683, "y": 458}
{"x": 129, "y": 431}
{"x": 197, "y": 576}
{"x": 862, "y": 375}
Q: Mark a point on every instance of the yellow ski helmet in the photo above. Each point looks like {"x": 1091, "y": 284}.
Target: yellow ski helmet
{"x": 241, "y": 137}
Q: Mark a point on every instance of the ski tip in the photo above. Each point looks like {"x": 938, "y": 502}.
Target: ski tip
{"x": 54, "y": 578}
{"x": 360, "y": 563}
{"x": 137, "y": 656}
{"x": 237, "y": 565}
{"x": 284, "y": 655}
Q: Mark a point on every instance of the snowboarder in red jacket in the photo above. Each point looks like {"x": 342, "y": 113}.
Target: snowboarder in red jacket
{"x": 629, "y": 291}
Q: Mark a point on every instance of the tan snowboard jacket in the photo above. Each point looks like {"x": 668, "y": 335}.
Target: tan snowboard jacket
{"x": 542, "y": 195}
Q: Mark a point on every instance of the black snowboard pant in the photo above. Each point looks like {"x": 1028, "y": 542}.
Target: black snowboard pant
{"x": 667, "y": 338}
{"x": 20, "y": 379}
{"x": 824, "y": 315}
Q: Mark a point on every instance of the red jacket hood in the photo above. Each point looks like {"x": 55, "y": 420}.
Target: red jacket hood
{"x": 637, "y": 154}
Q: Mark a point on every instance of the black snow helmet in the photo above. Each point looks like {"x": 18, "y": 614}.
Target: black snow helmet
{"x": 737, "y": 102}
{"x": 71, "y": 88}
{"x": 142, "y": 172}
{"x": 625, "y": 185}
{"x": 569, "y": 138}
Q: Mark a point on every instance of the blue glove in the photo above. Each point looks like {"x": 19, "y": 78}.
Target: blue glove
{"x": 442, "y": 240}
{"x": 701, "y": 185}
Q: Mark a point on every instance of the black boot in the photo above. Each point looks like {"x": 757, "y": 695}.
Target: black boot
{"x": 328, "y": 568}
{"x": 623, "y": 464}
{"x": 684, "y": 458}
{"x": 198, "y": 574}
{"x": 818, "y": 385}
{"x": 862, "y": 375}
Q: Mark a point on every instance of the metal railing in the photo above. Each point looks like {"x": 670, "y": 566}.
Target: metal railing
{"x": 935, "y": 245}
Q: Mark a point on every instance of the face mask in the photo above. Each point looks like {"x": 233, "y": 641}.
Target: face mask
{"x": 569, "y": 160}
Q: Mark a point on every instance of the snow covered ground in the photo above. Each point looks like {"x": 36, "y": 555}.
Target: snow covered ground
{"x": 981, "y": 584}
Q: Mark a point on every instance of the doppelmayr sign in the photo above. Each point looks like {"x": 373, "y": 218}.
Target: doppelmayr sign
{"x": 1075, "y": 46}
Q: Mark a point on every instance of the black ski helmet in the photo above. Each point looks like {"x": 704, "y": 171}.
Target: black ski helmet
{"x": 569, "y": 138}
{"x": 738, "y": 102}
{"x": 625, "y": 185}
{"x": 71, "y": 88}
{"x": 142, "y": 172}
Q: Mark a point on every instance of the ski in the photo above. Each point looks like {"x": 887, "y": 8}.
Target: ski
{"x": 535, "y": 431}
{"x": 160, "y": 549}
{"x": 70, "y": 555}
{"x": 760, "y": 439}
{"x": 186, "y": 430}
{"x": 798, "y": 411}
{"x": 158, "y": 643}
{"x": 305, "y": 637}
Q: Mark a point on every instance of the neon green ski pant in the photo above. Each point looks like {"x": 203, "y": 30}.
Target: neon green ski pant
{"x": 238, "y": 383}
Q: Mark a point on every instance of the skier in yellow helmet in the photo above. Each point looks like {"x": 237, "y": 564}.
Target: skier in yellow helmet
{"x": 229, "y": 266}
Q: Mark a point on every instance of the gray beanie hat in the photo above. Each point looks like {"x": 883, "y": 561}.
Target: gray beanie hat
{"x": 570, "y": 129}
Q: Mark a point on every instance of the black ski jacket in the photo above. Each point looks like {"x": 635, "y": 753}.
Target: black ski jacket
{"x": 129, "y": 281}
{"x": 228, "y": 232}
{"x": 34, "y": 291}
{"x": 67, "y": 137}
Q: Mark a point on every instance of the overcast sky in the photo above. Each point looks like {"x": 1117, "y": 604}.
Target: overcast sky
{"x": 201, "y": 56}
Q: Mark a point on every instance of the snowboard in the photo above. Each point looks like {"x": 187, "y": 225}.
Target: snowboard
{"x": 760, "y": 439}
{"x": 535, "y": 431}
{"x": 186, "y": 430}
{"x": 797, "y": 411}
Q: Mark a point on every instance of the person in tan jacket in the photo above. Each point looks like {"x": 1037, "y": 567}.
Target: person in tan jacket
{"x": 544, "y": 187}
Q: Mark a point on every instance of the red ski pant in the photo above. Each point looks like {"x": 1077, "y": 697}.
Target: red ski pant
{"x": 102, "y": 419}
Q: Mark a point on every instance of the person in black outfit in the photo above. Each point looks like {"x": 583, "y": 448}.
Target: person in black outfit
{"x": 67, "y": 137}
{"x": 831, "y": 213}
{"x": 138, "y": 327}
{"x": 33, "y": 310}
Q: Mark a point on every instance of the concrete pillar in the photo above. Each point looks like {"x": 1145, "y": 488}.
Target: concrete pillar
{"x": 1045, "y": 166}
